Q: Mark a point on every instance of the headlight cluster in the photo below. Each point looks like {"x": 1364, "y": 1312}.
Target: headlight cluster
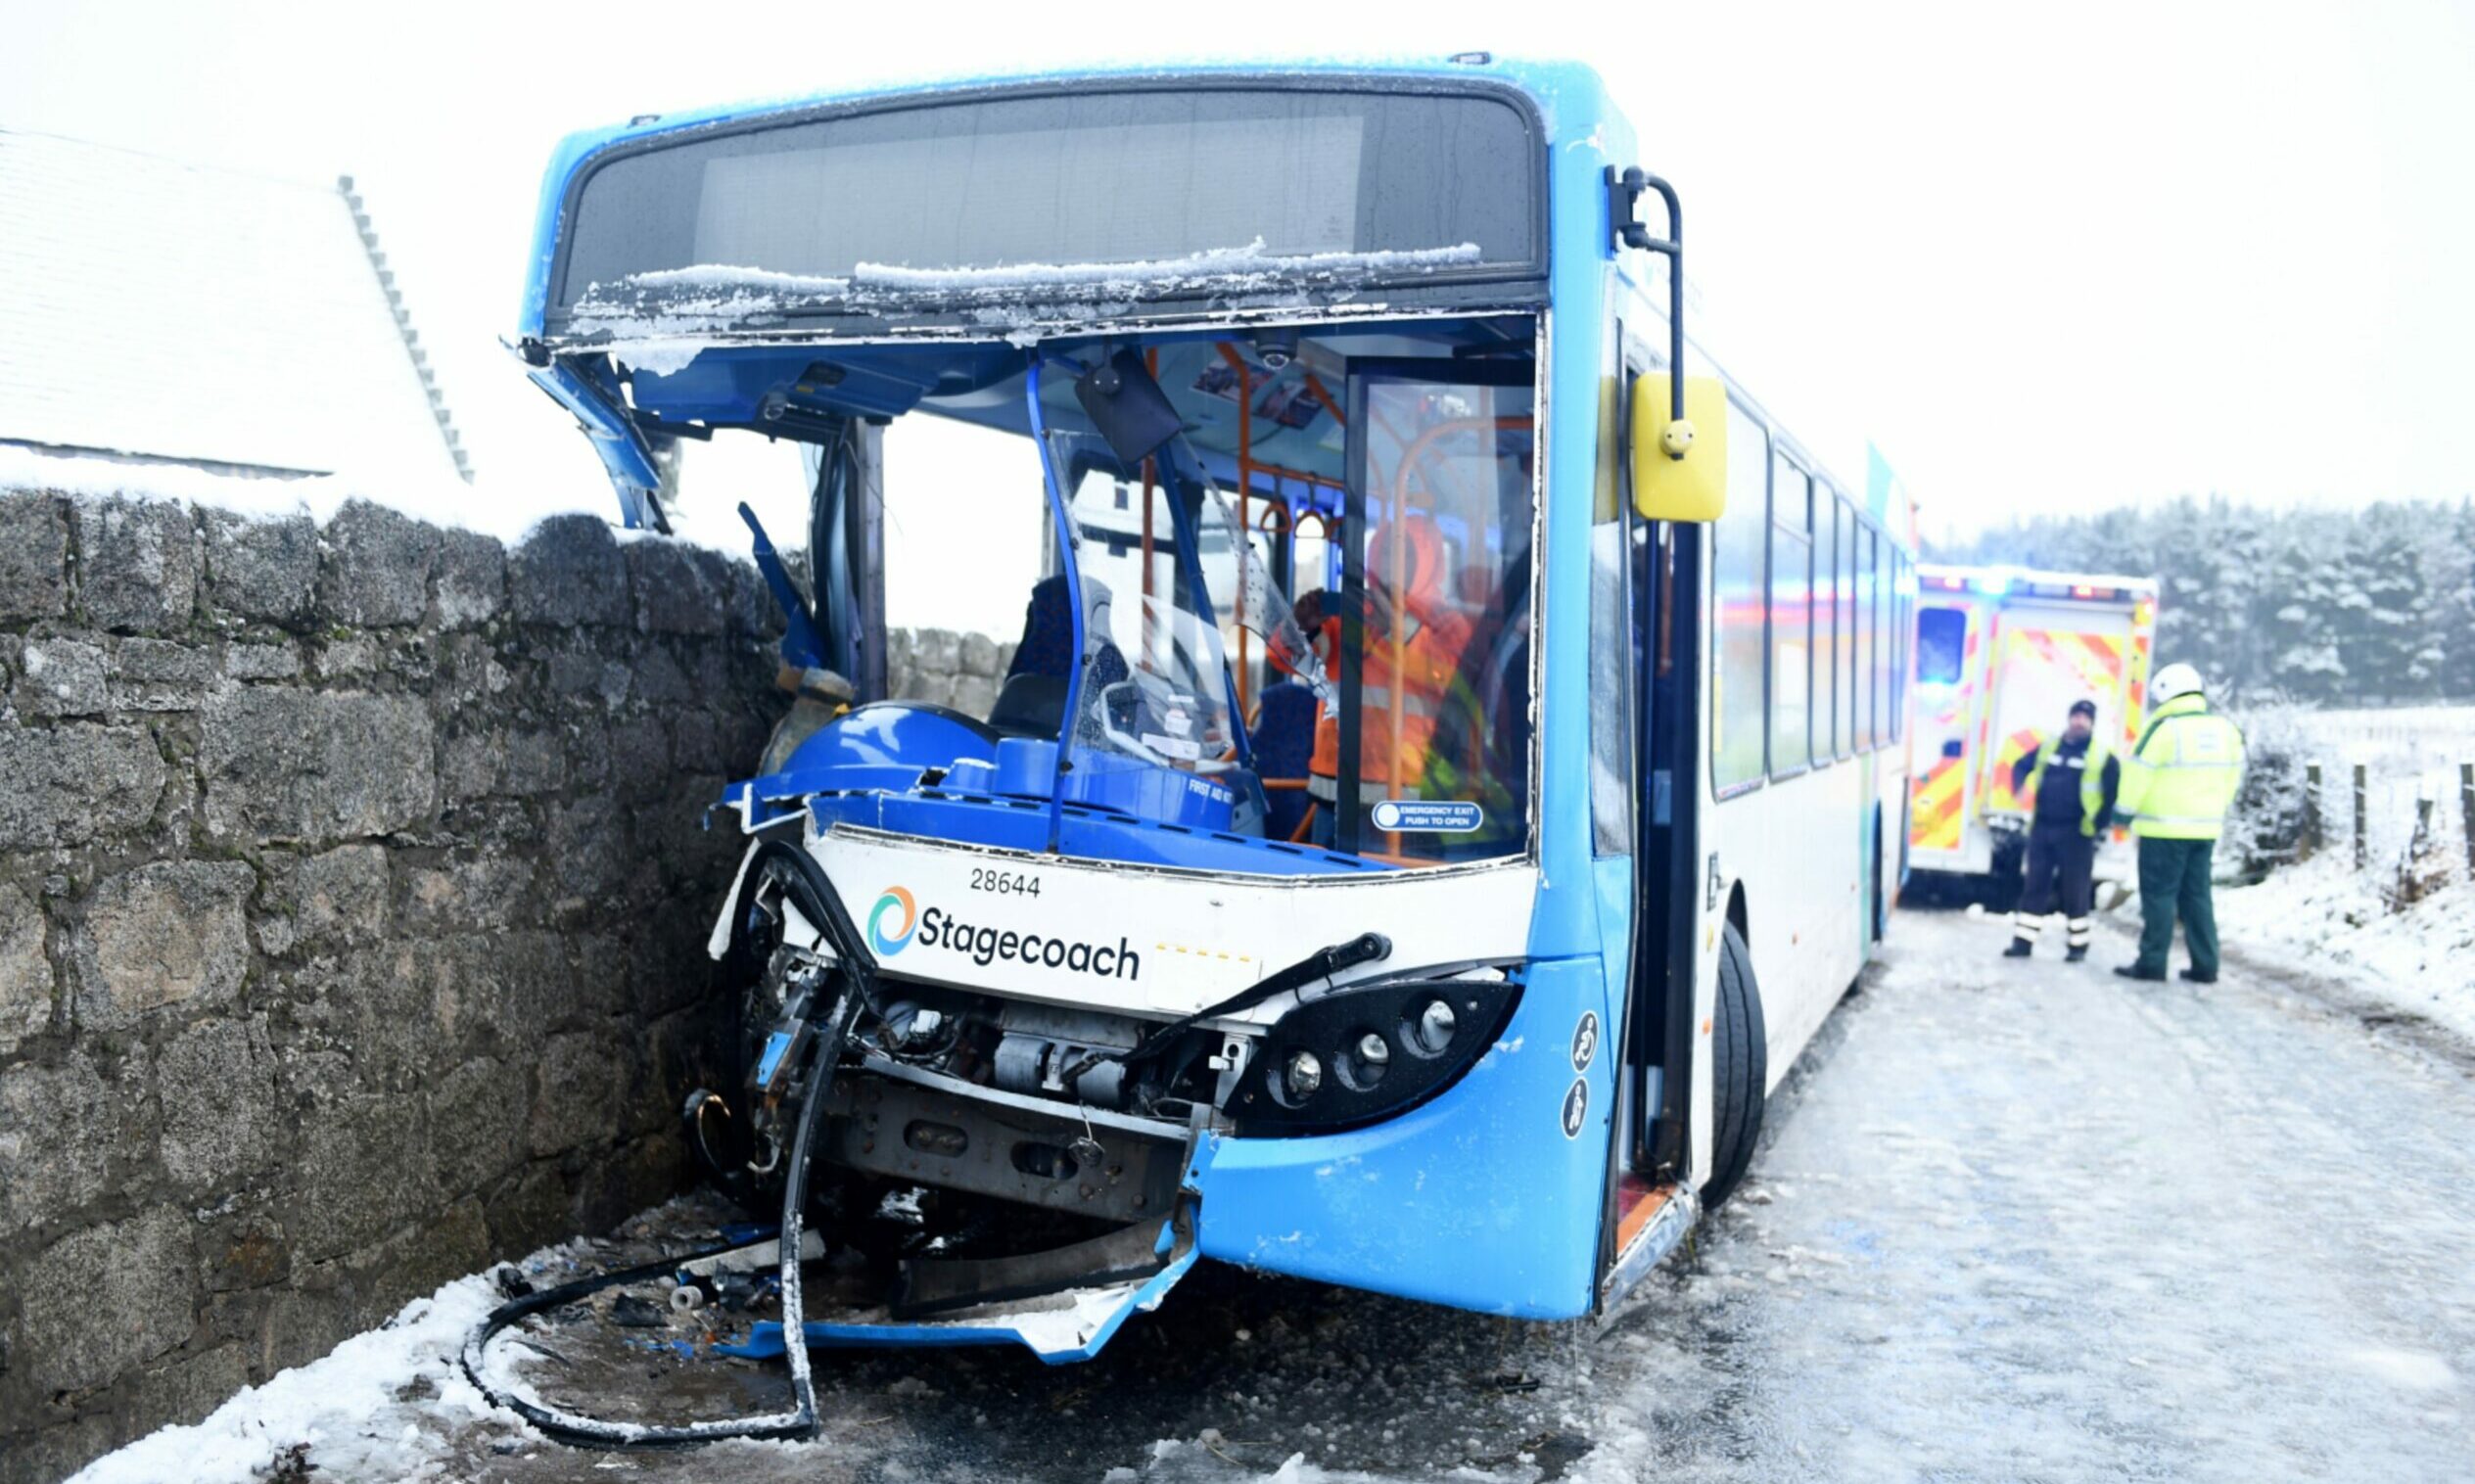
{"x": 1371, "y": 1051}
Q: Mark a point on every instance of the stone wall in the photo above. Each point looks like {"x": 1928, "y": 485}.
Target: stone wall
{"x": 962, "y": 671}
{"x": 351, "y": 905}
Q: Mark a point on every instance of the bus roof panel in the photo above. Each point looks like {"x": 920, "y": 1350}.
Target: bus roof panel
{"x": 1545, "y": 85}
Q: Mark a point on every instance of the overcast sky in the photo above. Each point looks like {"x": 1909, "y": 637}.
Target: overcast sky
{"x": 2070, "y": 255}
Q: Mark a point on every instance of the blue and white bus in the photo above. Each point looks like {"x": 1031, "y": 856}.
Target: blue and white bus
{"x": 1449, "y": 770}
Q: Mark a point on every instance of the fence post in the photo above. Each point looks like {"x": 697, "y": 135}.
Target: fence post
{"x": 2363, "y": 844}
{"x": 2467, "y": 810}
{"x": 2311, "y": 838}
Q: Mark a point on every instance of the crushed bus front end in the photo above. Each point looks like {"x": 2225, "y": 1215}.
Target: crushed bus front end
{"x": 1275, "y": 904}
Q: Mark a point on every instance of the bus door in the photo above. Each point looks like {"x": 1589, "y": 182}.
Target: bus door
{"x": 1430, "y": 740}
{"x": 1645, "y": 580}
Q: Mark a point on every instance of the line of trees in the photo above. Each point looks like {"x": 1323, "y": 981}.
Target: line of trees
{"x": 2325, "y": 608}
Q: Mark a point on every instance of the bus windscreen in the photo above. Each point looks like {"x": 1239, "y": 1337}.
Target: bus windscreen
{"x": 1162, "y": 192}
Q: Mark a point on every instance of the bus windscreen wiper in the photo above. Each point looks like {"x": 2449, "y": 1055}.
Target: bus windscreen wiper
{"x": 1322, "y": 963}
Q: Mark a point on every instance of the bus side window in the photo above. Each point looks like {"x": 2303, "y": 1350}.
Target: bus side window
{"x": 1886, "y": 691}
{"x": 1830, "y": 697}
{"x": 1902, "y": 610}
{"x": 1867, "y": 637}
{"x": 1843, "y": 599}
{"x": 1738, "y": 704}
{"x": 1790, "y": 618}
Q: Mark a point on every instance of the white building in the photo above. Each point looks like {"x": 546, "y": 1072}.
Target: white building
{"x": 161, "y": 312}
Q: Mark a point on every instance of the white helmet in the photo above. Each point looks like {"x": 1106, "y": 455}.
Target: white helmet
{"x": 2177, "y": 679}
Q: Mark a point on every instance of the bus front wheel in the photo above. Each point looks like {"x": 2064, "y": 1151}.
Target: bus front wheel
{"x": 1740, "y": 1057}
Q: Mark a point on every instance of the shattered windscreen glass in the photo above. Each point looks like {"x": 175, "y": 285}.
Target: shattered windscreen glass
{"x": 1161, "y": 627}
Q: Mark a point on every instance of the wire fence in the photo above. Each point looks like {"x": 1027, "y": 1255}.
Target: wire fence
{"x": 2416, "y": 828}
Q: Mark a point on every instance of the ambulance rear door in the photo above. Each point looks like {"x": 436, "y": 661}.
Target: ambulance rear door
{"x": 1954, "y": 642}
{"x": 2052, "y": 653}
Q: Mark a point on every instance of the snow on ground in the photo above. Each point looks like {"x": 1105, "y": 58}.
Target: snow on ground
{"x": 2009, "y": 1221}
{"x": 349, "y": 1409}
{"x": 326, "y": 1406}
{"x": 2327, "y": 920}
{"x": 2324, "y": 918}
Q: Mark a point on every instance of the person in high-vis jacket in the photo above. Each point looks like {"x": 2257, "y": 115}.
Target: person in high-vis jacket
{"x": 2177, "y": 787}
{"x": 2070, "y": 783}
{"x": 1414, "y": 639}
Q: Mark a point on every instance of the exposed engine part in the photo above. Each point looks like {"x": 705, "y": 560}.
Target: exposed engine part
{"x": 796, "y": 974}
{"x": 896, "y": 1121}
{"x": 917, "y": 1033}
{"x": 1060, "y": 1054}
{"x": 1035, "y": 1065}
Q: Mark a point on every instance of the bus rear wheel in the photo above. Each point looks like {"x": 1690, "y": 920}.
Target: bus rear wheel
{"x": 1740, "y": 1057}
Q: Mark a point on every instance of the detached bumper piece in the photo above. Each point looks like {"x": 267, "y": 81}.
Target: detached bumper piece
{"x": 1064, "y": 1305}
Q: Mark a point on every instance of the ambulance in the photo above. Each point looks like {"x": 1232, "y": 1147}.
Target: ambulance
{"x": 2002, "y": 654}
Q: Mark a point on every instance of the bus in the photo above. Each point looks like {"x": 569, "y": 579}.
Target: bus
{"x": 1453, "y": 762}
{"x": 2002, "y": 653}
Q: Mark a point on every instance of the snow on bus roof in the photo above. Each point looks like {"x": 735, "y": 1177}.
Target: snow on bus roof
{"x": 737, "y": 293}
{"x": 660, "y": 335}
{"x": 1212, "y": 266}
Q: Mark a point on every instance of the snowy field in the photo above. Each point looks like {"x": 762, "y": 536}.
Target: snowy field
{"x": 2322, "y": 918}
{"x": 2010, "y": 1220}
{"x": 2407, "y": 753}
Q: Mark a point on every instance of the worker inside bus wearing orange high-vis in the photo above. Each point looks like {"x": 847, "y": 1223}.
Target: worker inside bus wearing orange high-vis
{"x": 1415, "y": 637}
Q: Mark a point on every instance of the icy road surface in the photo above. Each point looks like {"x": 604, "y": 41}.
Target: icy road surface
{"x": 2010, "y": 1221}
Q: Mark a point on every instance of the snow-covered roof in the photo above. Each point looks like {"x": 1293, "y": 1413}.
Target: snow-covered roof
{"x": 161, "y": 310}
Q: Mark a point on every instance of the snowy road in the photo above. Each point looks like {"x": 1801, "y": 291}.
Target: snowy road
{"x": 2012, "y": 1222}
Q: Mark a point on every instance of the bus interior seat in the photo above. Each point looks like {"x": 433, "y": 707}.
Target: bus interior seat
{"x": 1283, "y": 744}
{"x": 1047, "y": 645}
{"x": 1029, "y": 706}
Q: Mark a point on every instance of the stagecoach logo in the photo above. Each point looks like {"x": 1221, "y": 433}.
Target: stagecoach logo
{"x": 1585, "y": 1041}
{"x": 1576, "y": 1105}
{"x": 898, "y": 921}
{"x": 897, "y": 902}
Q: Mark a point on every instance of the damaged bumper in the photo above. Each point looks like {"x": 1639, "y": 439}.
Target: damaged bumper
{"x": 1060, "y": 1327}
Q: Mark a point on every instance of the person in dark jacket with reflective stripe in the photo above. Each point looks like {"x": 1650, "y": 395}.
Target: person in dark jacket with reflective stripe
{"x": 2070, "y": 783}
